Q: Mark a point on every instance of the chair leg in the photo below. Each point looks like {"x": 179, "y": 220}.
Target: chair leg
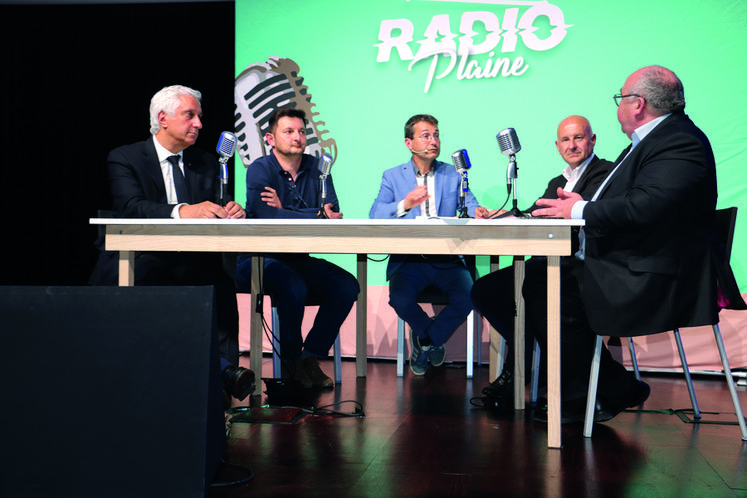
{"x": 276, "y": 362}
{"x": 730, "y": 380}
{"x": 634, "y": 358}
{"x": 478, "y": 338}
{"x": 471, "y": 319}
{"x": 591, "y": 397}
{"x": 686, "y": 371}
{"x": 401, "y": 347}
{"x": 501, "y": 357}
{"x": 338, "y": 360}
{"x": 535, "y": 372}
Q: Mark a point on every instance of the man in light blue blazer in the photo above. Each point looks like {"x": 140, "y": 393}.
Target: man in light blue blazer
{"x": 424, "y": 186}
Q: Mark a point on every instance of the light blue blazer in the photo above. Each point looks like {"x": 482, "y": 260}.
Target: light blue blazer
{"x": 399, "y": 181}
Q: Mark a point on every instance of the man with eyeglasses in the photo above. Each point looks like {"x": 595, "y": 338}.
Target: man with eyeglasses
{"x": 424, "y": 186}
{"x": 285, "y": 184}
{"x": 646, "y": 245}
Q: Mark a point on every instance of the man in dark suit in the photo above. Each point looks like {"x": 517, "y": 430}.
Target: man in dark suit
{"x": 162, "y": 177}
{"x": 647, "y": 241}
{"x": 493, "y": 294}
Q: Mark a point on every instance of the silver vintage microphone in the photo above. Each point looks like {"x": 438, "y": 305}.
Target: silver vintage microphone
{"x": 508, "y": 141}
{"x": 226, "y": 148}
{"x": 461, "y": 162}
{"x": 325, "y": 165}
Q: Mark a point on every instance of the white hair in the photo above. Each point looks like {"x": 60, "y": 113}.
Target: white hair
{"x": 168, "y": 100}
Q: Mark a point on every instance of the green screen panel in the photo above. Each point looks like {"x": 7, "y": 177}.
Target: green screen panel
{"x": 360, "y": 69}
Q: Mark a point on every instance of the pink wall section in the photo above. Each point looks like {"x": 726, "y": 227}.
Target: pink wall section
{"x": 657, "y": 351}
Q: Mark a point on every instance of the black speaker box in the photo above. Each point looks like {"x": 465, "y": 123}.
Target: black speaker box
{"x": 109, "y": 391}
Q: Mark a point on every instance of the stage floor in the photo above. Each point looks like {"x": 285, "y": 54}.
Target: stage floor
{"x": 421, "y": 436}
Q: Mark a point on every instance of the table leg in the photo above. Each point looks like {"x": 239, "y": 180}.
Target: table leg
{"x": 553, "y": 352}
{"x": 519, "y": 336}
{"x": 494, "y": 337}
{"x": 127, "y": 268}
{"x": 255, "y": 324}
{"x": 361, "y": 317}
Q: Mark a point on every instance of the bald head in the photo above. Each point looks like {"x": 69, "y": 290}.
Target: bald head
{"x": 575, "y": 141}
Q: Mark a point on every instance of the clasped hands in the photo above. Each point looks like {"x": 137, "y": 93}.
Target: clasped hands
{"x": 209, "y": 209}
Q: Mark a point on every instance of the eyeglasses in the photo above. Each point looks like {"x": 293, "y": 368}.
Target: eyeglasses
{"x": 427, "y": 137}
{"x": 617, "y": 98}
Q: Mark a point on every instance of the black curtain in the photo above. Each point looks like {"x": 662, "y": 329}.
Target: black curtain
{"x": 76, "y": 82}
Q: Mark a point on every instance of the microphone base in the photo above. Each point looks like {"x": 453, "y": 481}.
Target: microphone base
{"x": 515, "y": 212}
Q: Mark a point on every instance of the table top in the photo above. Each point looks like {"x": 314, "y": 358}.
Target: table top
{"x": 509, "y": 236}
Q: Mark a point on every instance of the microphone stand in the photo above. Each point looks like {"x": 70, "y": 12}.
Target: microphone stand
{"x": 223, "y": 183}
{"x": 512, "y": 169}
{"x": 463, "y": 196}
{"x": 323, "y": 180}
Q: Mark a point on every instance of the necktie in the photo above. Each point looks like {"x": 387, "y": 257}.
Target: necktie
{"x": 180, "y": 184}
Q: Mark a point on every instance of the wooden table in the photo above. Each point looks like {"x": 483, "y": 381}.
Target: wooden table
{"x": 505, "y": 237}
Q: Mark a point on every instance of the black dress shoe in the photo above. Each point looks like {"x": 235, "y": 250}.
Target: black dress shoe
{"x": 574, "y": 412}
{"x": 239, "y": 382}
{"x": 502, "y": 387}
{"x": 640, "y": 393}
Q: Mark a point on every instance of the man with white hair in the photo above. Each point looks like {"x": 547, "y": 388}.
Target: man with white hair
{"x": 164, "y": 177}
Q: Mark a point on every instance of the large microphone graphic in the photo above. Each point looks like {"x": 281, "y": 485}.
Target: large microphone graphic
{"x": 462, "y": 164}
{"x": 226, "y": 147}
{"x": 508, "y": 141}
{"x": 263, "y": 87}
{"x": 325, "y": 165}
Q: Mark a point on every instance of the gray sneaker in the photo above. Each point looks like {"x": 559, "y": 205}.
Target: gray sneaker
{"x": 418, "y": 355}
{"x": 437, "y": 355}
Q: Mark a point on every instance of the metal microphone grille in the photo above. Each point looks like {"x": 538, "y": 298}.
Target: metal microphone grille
{"x": 325, "y": 165}
{"x": 508, "y": 141}
{"x": 461, "y": 160}
{"x": 227, "y": 144}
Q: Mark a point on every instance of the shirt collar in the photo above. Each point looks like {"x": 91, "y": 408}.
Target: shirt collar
{"x": 569, "y": 172}
{"x": 641, "y": 132}
{"x": 162, "y": 152}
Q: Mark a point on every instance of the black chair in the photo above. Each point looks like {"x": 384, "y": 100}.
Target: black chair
{"x": 729, "y": 298}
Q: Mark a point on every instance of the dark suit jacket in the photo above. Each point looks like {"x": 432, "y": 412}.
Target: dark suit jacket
{"x": 649, "y": 236}
{"x": 138, "y": 189}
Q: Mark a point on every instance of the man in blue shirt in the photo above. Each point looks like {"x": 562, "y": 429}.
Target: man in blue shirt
{"x": 285, "y": 184}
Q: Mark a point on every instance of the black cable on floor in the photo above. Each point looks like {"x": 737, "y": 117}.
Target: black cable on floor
{"x": 249, "y": 477}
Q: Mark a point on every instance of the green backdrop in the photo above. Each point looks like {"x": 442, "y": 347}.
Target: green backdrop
{"x": 358, "y": 60}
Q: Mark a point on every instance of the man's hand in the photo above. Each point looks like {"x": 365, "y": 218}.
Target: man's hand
{"x": 557, "y": 208}
{"x": 205, "y": 209}
{"x": 332, "y": 215}
{"x": 235, "y": 211}
{"x": 416, "y": 197}
{"x": 481, "y": 212}
{"x": 270, "y": 196}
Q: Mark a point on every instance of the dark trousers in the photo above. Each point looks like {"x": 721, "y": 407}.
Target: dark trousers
{"x": 291, "y": 280}
{"x": 493, "y": 296}
{"x": 454, "y": 279}
{"x": 577, "y": 339}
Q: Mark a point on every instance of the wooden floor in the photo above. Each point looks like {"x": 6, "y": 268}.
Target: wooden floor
{"x": 421, "y": 436}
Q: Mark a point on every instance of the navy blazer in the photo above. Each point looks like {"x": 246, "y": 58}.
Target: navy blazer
{"x": 650, "y": 235}
{"x": 138, "y": 189}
